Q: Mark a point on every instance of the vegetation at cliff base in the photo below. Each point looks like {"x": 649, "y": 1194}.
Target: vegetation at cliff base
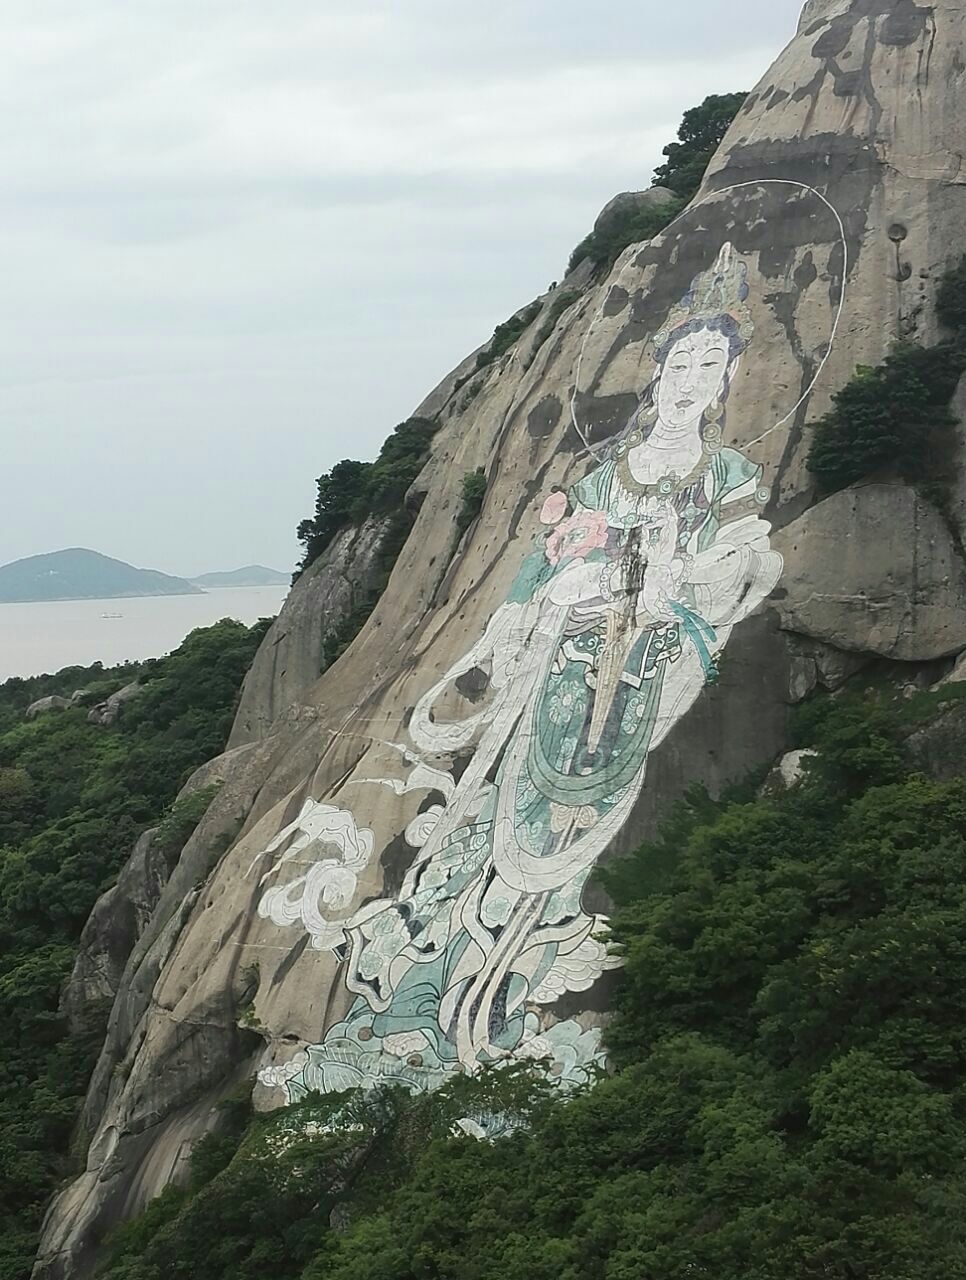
{"x": 789, "y": 1087}
{"x": 896, "y": 419}
{"x": 74, "y": 796}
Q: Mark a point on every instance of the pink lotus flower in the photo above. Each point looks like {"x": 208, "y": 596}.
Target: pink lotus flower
{"x": 554, "y": 509}
{"x": 578, "y": 535}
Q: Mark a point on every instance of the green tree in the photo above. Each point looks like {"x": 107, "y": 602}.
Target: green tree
{"x": 471, "y": 499}
{"x": 73, "y": 798}
{"x": 788, "y": 1087}
{"x": 897, "y": 418}
{"x": 893, "y": 418}
{"x": 701, "y": 133}
{"x": 351, "y": 491}
{"x": 699, "y": 137}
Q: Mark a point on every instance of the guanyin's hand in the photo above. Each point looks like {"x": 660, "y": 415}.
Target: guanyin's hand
{"x": 663, "y": 540}
{"x": 656, "y": 595}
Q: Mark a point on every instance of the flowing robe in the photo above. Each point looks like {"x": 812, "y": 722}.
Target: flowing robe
{"x": 583, "y": 683}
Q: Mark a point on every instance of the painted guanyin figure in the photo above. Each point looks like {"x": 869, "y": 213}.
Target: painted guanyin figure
{"x": 612, "y": 628}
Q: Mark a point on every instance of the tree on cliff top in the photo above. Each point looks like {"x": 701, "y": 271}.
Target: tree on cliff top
{"x": 701, "y": 133}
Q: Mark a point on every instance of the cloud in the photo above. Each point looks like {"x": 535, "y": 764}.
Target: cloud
{"x": 235, "y": 234}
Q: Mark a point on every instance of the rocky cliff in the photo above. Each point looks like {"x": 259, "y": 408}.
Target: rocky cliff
{"x": 291, "y": 660}
{"x": 650, "y": 585}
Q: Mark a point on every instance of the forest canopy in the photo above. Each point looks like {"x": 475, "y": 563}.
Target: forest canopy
{"x": 788, "y": 1084}
{"x": 74, "y": 797}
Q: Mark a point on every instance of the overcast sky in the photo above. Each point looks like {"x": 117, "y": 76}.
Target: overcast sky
{"x": 241, "y": 240}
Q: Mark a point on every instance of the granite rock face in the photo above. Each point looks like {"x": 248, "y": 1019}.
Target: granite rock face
{"x": 289, "y": 662}
{"x": 939, "y": 748}
{"x": 832, "y": 208}
{"x": 113, "y": 927}
{"x": 877, "y": 571}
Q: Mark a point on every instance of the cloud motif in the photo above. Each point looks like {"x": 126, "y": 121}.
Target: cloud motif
{"x": 279, "y": 1077}
{"x": 423, "y": 825}
{"x": 330, "y": 884}
{"x": 576, "y": 971}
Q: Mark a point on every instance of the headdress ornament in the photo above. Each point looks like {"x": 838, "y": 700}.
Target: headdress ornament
{"x": 722, "y": 290}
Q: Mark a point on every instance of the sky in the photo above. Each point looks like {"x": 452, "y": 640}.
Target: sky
{"x": 240, "y": 241}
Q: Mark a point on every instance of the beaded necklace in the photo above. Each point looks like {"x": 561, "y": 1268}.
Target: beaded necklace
{"x": 670, "y": 484}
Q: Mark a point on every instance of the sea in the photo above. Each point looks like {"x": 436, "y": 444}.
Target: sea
{"x": 36, "y": 639}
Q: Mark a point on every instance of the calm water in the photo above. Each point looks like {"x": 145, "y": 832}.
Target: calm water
{"x": 38, "y": 638}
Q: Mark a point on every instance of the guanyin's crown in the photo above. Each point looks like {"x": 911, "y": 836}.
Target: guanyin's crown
{"x": 722, "y": 290}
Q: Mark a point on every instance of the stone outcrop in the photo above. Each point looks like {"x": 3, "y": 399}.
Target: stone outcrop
{"x": 289, "y": 662}
{"x": 115, "y": 924}
{"x": 864, "y": 110}
{"x": 877, "y": 571}
{"x": 629, "y": 202}
{"x": 939, "y": 748}
{"x": 123, "y": 913}
{"x": 108, "y": 712}
{"x": 43, "y": 705}
{"x": 790, "y": 769}
{"x": 957, "y": 675}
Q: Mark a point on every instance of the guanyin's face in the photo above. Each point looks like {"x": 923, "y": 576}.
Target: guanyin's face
{"x": 692, "y": 377}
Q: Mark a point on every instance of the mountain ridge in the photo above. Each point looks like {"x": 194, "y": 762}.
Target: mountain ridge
{"x": 78, "y": 573}
{"x": 249, "y": 575}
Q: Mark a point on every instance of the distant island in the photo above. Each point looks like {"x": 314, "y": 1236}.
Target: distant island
{"x": 79, "y": 574}
{"x": 252, "y": 575}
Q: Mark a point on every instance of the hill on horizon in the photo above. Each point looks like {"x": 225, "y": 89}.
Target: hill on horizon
{"x": 77, "y": 573}
{"x": 250, "y": 575}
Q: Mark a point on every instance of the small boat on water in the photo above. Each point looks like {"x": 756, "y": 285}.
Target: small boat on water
{"x": 112, "y": 615}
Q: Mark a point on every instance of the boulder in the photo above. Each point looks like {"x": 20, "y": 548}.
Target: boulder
{"x": 106, "y": 713}
{"x": 289, "y": 661}
{"x": 113, "y": 927}
{"x": 789, "y": 770}
{"x": 814, "y": 665}
{"x": 957, "y": 675}
{"x": 629, "y": 202}
{"x": 43, "y": 705}
{"x": 939, "y": 747}
{"x": 876, "y": 571}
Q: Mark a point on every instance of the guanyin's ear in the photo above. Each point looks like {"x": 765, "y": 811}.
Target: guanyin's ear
{"x": 730, "y": 374}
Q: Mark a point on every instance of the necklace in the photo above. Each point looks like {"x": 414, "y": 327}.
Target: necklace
{"x": 669, "y": 484}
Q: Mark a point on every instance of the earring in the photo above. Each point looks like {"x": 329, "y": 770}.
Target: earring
{"x": 714, "y": 411}
{"x": 647, "y": 416}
